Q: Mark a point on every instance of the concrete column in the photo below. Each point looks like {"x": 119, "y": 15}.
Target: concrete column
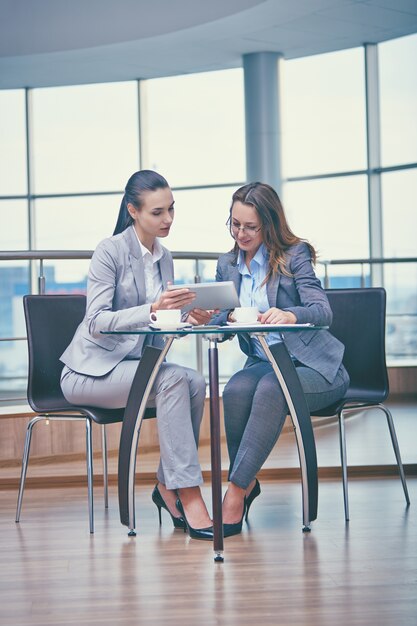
{"x": 262, "y": 116}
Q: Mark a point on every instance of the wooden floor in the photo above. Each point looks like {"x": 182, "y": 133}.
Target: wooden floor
{"x": 55, "y": 573}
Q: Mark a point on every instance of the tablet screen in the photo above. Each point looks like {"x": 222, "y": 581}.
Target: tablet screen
{"x": 216, "y": 295}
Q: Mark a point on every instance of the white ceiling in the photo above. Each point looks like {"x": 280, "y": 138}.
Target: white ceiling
{"x": 60, "y": 42}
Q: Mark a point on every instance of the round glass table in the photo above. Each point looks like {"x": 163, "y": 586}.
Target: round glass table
{"x": 283, "y": 366}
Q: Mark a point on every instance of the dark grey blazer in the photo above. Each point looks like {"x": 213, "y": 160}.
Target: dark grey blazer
{"x": 302, "y": 294}
{"x": 116, "y": 300}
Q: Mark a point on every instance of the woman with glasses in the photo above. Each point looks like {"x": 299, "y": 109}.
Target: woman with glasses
{"x": 273, "y": 270}
{"x": 127, "y": 282}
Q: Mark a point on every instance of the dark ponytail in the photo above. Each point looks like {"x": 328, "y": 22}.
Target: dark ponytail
{"x": 138, "y": 183}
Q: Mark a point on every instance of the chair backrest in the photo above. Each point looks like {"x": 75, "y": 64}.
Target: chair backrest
{"x": 51, "y": 322}
{"x": 359, "y": 323}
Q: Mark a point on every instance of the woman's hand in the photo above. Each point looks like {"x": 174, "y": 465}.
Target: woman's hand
{"x": 198, "y": 317}
{"x": 175, "y": 299}
{"x": 277, "y": 316}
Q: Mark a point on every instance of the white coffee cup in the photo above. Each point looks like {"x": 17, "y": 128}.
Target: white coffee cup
{"x": 166, "y": 317}
{"x": 246, "y": 314}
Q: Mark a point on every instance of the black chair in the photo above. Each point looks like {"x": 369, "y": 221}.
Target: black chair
{"x": 51, "y": 321}
{"x": 359, "y": 323}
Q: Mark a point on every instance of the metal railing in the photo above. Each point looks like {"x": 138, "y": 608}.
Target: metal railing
{"x": 33, "y": 256}
{"x": 37, "y": 279}
{"x": 362, "y": 263}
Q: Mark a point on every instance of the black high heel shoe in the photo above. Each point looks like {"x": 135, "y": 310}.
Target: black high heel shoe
{"x": 234, "y": 529}
{"x": 195, "y": 533}
{"x": 161, "y": 504}
{"x": 251, "y": 497}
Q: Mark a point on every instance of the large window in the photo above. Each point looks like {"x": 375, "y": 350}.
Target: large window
{"x": 194, "y": 128}
{"x": 323, "y": 122}
{"x": 332, "y": 214}
{"x": 398, "y": 86}
{"x": 200, "y": 220}
{"x": 75, "y": 223}
{"x": 399, "y": 193}
{"x": 14, "y": 232}
{"x": 13, "y": 173}
{"x": 85, "y": 138}
{"x": 324, "y": 161}
{"x": 324, "y": 133}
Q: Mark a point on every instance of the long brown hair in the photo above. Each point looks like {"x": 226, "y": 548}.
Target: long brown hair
{"x": 276, "y": 233}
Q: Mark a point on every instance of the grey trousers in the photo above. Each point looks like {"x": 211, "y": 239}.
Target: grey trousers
{"x": 178, "y": 394}
{"x": 255, "y": 410}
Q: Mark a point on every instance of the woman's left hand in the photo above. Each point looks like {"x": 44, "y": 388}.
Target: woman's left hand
{"x": 277, "y": 316}
{"x": 198, "y": 317}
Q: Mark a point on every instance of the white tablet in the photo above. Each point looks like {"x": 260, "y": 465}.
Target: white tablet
{"x": 218, "y": 295}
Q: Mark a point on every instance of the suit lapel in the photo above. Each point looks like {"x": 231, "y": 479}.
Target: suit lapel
{"x": 235, "y": 276}
{"x": 272, "y": 290}
{"x": 165, "y": 269}
{"x": 136, "y": 261}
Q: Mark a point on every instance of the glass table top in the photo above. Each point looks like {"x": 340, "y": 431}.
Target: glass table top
{"x": 230, "y": 329}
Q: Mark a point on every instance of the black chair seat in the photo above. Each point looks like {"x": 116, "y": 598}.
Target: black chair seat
{"x": 359, "y": 323}
{"x": 51, "y": 322}
{"x": 351, "y": 400}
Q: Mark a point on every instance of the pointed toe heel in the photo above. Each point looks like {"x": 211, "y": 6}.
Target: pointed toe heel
{"x": 195, "y": 533}
{"x": 234, "y": 529}
{"x": 160, "y": 503}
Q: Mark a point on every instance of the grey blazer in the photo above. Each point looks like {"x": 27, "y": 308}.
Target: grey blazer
{"x": 302, "y": 294}
{"x": 116, "y": 300}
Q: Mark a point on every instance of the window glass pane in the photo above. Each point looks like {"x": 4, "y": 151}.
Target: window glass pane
{"x": 183, "y": 352}
{"x": 13, "y": 143}
{"x": 75, "y": 223}
{"x": 231, "y": 359}
{"x": 400, "y": 281}
{"x": 399, "y": 190}
{"x": 13, "y": 225}
{"x": 323, "y": 119}
{"x": 187, "y": 271}
{"x": 195, "y": 127}
{"x": 399, "y": 193}
{"x": 13, "y": 370}
{"x": 14, "y": 283}
{"x": 85, "y": 137}
{"x": 332, "y": 214}
{"x": 66, "y": 276}
{"x": 200, "y": 220}
{"x": 398, "y": 89}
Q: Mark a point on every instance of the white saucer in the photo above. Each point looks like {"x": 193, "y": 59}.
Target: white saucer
{"x": 244, "y": 324}
{"x": 179, "y": 326}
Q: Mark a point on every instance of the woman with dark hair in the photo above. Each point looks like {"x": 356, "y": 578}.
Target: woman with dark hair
{"x": 127, "y": 281}
{"x": 272, "y": 270}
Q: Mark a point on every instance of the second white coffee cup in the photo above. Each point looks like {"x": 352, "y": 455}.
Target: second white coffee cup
{"x": 246, "y": 314}
{"x": 166, "y": 317}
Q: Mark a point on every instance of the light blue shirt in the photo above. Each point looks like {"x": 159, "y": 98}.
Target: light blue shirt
{"x": 253, "y": 292}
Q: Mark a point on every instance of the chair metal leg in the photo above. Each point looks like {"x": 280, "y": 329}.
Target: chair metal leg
{"x": 89, "y": 450}
{"x": 396, "y": 449}
{"x": 343, "y": 458}
{"x": 105, "y": 467}
{"x": 25, "y": 461}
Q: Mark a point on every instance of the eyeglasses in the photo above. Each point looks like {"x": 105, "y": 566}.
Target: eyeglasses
{"x": 249, "y": 230}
